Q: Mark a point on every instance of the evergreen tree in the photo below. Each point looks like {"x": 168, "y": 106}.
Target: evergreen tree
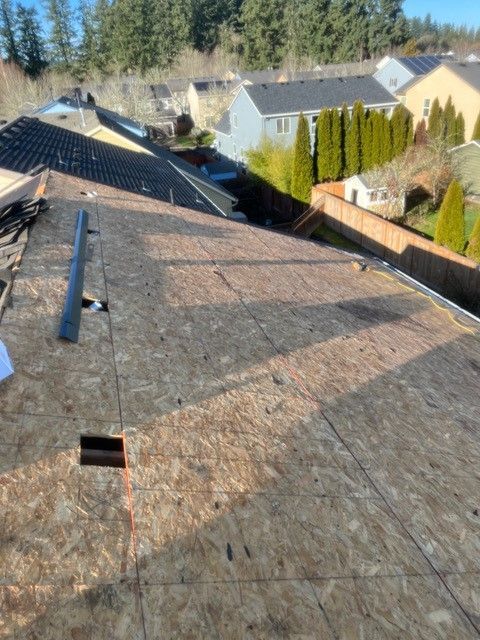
{"x": 450, "y": 228}
{"x": 420, "y": 137}
{"x": 171, "y": 30}
{"x": 376, "y": 158}
{"x": 459, "y": 129}
{"x": 302, "y": 167}
{"x": 61, "y": 31}
{"x": 345, "y": 126}
{"x": 208, "y": 16}
{"x": 7, "y": 31}
{"x": 387, "y": 148}
{"x": 336, "y": 164}
{"x": 387, "y": 26}
{"x": 401, "y": 129}
{"x": 354, "y": 140}
{"x": 323, "y": 146}
{"x": 89, "y": 45}
{"x": 449, "y": 122}
{"x": 473, "y": 249}
{"x": 409, "y": 127}
{"x": 30, "y": 45}
{"x": 367, "y": 141}
{"x": 264, "y": 33}
{"x": 103, "y": 28}
{"x": 476, "y": 129}
{"x": 435, "y": 120}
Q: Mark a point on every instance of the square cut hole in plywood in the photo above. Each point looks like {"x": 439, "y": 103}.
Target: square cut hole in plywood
{"x": 102, "y": 451}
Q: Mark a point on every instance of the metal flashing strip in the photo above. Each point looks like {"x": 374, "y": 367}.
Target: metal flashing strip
{"x": 70, "y": 324}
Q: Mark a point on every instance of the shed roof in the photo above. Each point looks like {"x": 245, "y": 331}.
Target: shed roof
{"x": 313, "y": 95}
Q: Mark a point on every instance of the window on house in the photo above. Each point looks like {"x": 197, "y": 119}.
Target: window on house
{"x": 235, "y": 120}
{"x": 283, "y": 125}
{"x": 235, "y": 151}
{"x": 393, "y": 82}
{"x": 426, "y": 107}
{"x": 314, "y": 124}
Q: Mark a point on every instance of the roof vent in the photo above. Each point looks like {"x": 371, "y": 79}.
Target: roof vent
{"x": 102, "y": 451}
{"x": 62, "y": 116}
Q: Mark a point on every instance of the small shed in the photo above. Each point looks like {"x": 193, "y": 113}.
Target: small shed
{"x": 359, "y": 191}
{"x": 468, "y": 166}
{"x": 220, "y": 171}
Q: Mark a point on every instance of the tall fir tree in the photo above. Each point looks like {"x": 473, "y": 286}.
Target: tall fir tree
{"x": 302, "y": 166}
{"x": 435, "y": 120}
{"x": 62, "y": 33}
{"x": 400, "y": 123}
{"x": 171, "y": 29}
{"x": 7, "y": 31}
{"x": 450, "y": 227}
{"x": 323, "y": 146}
{"x": 336, "y": 164}
{"x": 88, "y": 58}
{"x": 103, "y": 27}
{"x": 30, "y": 45}
{"x": 354, "y": 140}
{"x": 459, "y": 129}
{"x": 264, "y": 33}
{"x": 476, "y": 129}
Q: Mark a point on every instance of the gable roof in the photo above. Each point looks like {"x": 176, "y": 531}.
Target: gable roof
{"x": 223, "y": 125}
{"x": 74, "y": 103}
{"x": 165, "y": 154}
{"x": 313, "y": 95}
{"x": 256, "y": 77}
{"x": 468, "y": 71}
{"x": 419, "y": 65}
{"x": 28, "y": 142}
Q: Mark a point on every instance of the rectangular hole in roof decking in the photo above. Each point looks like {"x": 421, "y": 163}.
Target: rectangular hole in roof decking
{"x": 102, "y": 451}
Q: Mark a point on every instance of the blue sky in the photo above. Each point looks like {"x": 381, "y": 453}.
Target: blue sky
{"x": 456, "y": 11}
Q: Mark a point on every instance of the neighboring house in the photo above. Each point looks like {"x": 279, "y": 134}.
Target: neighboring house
{"x": 257, "y": 77}
{"x": 359, "y": 191}
{"x": 207, "y": 100}
{"x": 179, "y": 89}
{"x": 272, "y": 110}
{"x": 468, "y": 165}
{"x": 65, "y": 104}
{"x": 394, "y": 73}
{"x": 157, "y": 173}
{"x": 460, "y": 80}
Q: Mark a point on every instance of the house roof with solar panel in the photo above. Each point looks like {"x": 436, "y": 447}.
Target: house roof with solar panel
{"x": 393, "y": 73}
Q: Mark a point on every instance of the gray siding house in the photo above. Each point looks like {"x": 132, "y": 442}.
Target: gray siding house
{"x": 273, "y": 109}
{"x": 394, "y": 73}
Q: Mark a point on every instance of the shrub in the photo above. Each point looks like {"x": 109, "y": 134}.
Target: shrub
{"x": 450, "y": 228}
{"x": 473, "y": 249}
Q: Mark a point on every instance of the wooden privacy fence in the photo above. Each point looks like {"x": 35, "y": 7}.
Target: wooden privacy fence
{"x": 445, "y": 271}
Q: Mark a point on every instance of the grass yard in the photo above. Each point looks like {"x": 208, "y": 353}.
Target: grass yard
{"x": 334, "y": 238}
{"x": 427, "y": 224}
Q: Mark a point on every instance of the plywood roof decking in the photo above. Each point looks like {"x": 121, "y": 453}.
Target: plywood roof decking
{"x": 303, "y": 440}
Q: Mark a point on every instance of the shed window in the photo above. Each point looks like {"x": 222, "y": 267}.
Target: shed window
{"x": 283, "y": 125}
{"x": 426, "y": 107}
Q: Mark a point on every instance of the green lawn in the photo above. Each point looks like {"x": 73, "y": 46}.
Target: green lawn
{"x": 427, "y": 225}
{"x": 332, "y": 237}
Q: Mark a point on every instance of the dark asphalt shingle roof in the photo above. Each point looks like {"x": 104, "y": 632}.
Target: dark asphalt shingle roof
{"x": 164, "y": 154}
{"x": 28, "y": 142}
{"x": 313, "y": 95}
{"x": 161, "y": 91}
{"x": 255, "y": 77}
{"x": 204, "y": 87}
{"x": 223, "y": 125}
{"x": 468, "y": 71}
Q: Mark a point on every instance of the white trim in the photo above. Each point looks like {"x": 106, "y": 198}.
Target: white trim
{"x": 197, "y": 189}
{"x": 313, "y": 111}
{"x": 465, "y": 144}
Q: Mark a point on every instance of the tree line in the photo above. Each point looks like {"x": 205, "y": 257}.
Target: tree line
{"x": 137, "y": 35}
